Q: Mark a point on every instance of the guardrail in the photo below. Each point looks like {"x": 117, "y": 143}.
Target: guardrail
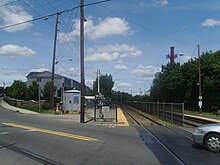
{"x": 169, "y": 112}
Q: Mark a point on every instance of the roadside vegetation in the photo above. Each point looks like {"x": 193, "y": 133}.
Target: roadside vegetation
{"x": 179, "y": 83}
{"x": 176, "y": 83}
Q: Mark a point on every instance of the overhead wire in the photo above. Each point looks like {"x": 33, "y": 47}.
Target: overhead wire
{"x": 67, "y": 31}
{"x": 145, "y": 28}
{"x": 49, "y": 15}
{"x": 9, "y": 3}
{"x": 66, "y": 28}
{"x": 36, "y": 12}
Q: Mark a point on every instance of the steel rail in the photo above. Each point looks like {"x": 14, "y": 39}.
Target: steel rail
{"x": 148, "y": 131}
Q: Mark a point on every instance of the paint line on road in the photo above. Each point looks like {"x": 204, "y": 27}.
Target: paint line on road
{"x": 52, "y": 132}
{"x": 4, "y": 133}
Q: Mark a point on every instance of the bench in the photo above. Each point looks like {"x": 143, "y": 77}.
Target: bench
{"x": 217, "y": 112}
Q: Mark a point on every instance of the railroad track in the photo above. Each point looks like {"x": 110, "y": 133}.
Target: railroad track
{"x": 189, "y": 120}
{"x": 170, "y": 144}
{"x": 175, "y": 158}
{"x": 195, "y": 121}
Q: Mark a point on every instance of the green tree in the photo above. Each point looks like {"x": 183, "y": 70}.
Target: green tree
{"x": 121, "y": 96}
{"x": 179, "y": 83}
{"x": 33, "y": 91}
{"x": 46, "y": 91}
{"x": 17, "y": 90}
{"x": 106, "y": 85}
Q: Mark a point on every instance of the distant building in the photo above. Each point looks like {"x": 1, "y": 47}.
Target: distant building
{"x": 59, "y": 81}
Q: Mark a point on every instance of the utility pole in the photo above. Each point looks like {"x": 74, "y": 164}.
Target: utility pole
{"x": 82, "y": 84}
{"x": 200, "y": 85}
{"x": 39, "y": 97}
{"x": 53, "y": 66}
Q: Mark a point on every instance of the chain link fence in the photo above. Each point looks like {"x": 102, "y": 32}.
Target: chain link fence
{"x": 106, "y": 113}
{"x": 170, "y": 112}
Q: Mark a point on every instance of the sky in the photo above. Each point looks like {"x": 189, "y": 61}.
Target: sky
{"x": 128, "y": 39}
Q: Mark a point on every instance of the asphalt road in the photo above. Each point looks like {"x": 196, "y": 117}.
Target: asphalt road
{"x": 38, "y": 139}
{"x": 181, "y": 144}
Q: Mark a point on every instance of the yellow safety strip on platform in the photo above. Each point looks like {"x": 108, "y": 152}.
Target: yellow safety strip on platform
{"x": 52, "y": 132}
{"x": 204, "y": 118}
{"x": 121, "y": 118}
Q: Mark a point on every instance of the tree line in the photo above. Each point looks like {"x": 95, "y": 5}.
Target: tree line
{"x": 176, "y": 83}
{"x": 179, "y": 83}
{"x": 19, "y": 90}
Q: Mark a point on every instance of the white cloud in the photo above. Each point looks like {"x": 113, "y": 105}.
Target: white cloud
{"x": 12, "y": 14}
{"x": 89, "y": 83}
{"x": 154, "y": 3}
{"x": 120, "y": 67}
{"x": 185, "y": 57}
{"x": 160, "y": 3}
{"x": 109, "y": 27}
{"x": 104, "y": 28}
{"x": 146, "y": 72}
{"x": 68, "y": 72}
{"x": 111, "y": 53}
{"x": 122, "y": 86}
{"x": 102, "y": 57}
{"x": 210, "y": 23}
{"x": 16, "y": 51}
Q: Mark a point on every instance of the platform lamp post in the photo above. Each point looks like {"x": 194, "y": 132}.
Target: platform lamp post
{"x": 200, "y": 82}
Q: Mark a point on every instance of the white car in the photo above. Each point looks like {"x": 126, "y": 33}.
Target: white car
{"x": 209, "y": 136}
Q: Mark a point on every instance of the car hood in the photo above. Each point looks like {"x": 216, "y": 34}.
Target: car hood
{"x": 216, "y": 126}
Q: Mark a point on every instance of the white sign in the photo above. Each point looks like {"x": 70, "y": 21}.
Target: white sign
{"x": 105, "y": 108}
{"x": 200, "y": 104}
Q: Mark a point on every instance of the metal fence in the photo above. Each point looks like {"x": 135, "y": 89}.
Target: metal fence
{"x": 170, "y": 112}
{"x": 106, "y": 113}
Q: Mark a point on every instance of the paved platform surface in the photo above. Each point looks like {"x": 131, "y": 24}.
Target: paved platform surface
{"x": 205, "y": 117}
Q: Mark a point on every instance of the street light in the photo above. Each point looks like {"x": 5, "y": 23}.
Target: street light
{"x": 200, "y": 83}
{"x": 52, "y": 79}
{"x": 200, "y": 87}
{"x": 57, "y": 61}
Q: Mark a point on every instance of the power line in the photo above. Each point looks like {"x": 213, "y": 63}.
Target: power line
{"x": 50, "y": 15}
{"x": 65, "y": 28}
{"x": 36, "y": 12}
{"x": 146, "y": 28}
{"x": 31, "y": 20}
{"x": 9, "y": 3}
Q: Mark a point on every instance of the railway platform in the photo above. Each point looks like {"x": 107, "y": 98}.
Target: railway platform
{"x": 203, "y": 118}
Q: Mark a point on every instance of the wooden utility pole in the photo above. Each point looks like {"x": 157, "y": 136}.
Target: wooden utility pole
{"x": 82, "y": 84}
{"x": 53, "y": 66}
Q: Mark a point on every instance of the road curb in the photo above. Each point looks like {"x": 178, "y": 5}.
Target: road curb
{"x": 15, "y": 109}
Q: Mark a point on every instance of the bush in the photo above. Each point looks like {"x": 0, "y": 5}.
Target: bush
{"x": 45, "y": 106}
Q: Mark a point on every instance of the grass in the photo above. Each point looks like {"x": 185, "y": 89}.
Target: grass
{"x": 36, "y": 109}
